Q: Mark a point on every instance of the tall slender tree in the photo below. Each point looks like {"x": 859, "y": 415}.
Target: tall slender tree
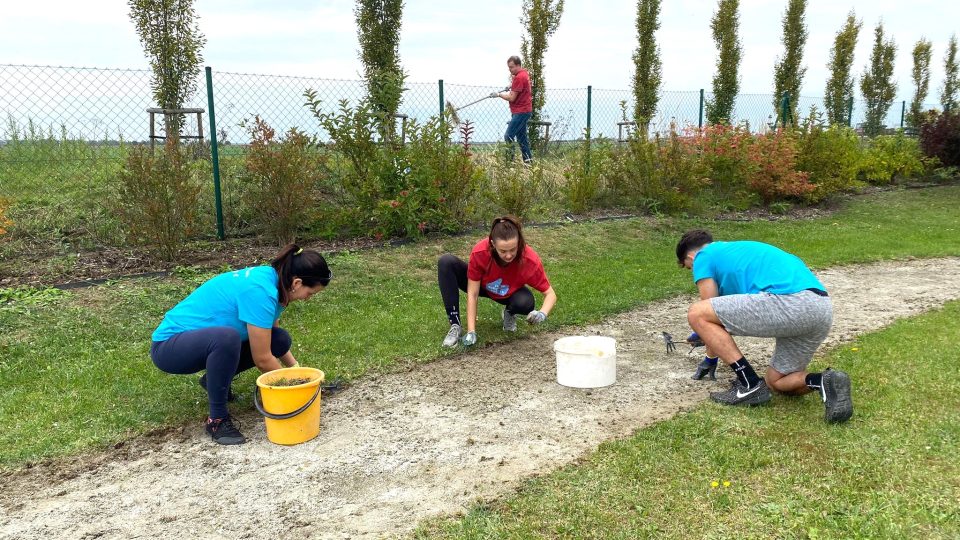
{"x": 172, "y": 40}
{"x": 646, "y": 62}
{"x": 540, "y": 20}
{"x": 378, "y": 31}
{"x": 922, "y": 56}
{"x": 840, "y": 84}
{"x": 726, "y": 81}
{"x": 788, "y": 71}
{"x": 951, "y": 84}
{"x": 877, "y": 83}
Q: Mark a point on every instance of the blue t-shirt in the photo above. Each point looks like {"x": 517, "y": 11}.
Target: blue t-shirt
{"x": 747, "y": 267}
{"x": 233, "y": 299}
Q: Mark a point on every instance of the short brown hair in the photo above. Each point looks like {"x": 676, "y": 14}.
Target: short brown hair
{"x": 515, "y": 60}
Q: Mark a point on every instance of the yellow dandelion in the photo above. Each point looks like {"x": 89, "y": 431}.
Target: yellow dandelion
{"x": 726, "y": 483}
{"x": 714, "y": 484}
{"x": 855, "y": 349}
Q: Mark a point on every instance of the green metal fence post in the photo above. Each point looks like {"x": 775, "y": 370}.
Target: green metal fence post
{"x": 850, "y": 113}
{"x": 784, "y": 109}
{"x": 903, "y": 113}
{"x": 442, "y": 107}
{"x": 589, "y": 122}
{"x": 589, "y": 109}
{"x": 700, "y": 122}
{"x": 214, "y": 154}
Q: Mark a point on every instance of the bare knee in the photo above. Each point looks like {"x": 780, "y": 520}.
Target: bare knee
{"x": 698, "y": 314}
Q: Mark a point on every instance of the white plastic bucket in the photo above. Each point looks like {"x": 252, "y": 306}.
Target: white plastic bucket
{"x": 586, "y": 361}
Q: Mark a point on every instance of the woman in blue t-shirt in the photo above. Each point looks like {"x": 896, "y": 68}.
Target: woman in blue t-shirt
{"x": 229, "y": 324}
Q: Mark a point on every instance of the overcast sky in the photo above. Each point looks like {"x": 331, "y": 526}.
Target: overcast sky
{"x": 468, "y": 42}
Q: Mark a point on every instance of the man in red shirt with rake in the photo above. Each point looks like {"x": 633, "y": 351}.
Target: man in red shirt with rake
{"x": 521, "y": 107}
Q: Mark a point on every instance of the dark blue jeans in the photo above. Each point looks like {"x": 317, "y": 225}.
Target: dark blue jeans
{"x": 517, "y": 130}
{"x": 217, "y": 349}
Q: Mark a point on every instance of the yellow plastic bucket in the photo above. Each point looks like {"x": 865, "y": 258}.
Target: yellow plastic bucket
{"x": 291, "y": 413}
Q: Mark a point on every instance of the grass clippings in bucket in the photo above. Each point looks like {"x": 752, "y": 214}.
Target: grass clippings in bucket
{"x": 284, "y": 381}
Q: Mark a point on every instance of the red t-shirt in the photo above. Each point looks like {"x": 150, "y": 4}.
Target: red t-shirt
{"x": 501, "y": 282}
{"x": 521, "y": 85}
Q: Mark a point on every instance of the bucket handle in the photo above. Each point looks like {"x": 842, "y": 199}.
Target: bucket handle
{"x": 259, "y": 405}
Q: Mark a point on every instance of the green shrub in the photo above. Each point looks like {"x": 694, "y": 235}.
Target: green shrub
{"x": 775, "y": 176}
{"x": 655, "y": 174}
{"x": 632, "y": 165}
{"x": 516, "y": 187}
{"x": 585, "y": 175}
{"x": 356, "y": 176}
{"x": 725, "y": 160}
{"x": 158, "y": 197}
{"x": 283, "y": 176}
{"x": 680, "y": 177}
{"x": 831, "y": 156}
{"x": 890, "y": 157}
{"x": 443, "y": 176}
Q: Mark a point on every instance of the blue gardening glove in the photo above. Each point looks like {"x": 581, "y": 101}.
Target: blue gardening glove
{"x": 706, "y": 368}
{"x": 469, "y": 339}
{"x": 694, "y": 340}
{"x": 536, "y": 317}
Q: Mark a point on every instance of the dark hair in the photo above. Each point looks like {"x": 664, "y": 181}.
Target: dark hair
{"x": 507, "y": 228}
{"x": 514, "y": 59}
{"x": 691, "y": 240}
{"x": 296, "y": 262}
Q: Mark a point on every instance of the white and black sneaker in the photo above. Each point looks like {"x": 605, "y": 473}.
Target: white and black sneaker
{"x": 835, "y": 391}
{"x": 453, "y": 336}
{"x": 738, "y": 394}
{"x": 509, "y": 321}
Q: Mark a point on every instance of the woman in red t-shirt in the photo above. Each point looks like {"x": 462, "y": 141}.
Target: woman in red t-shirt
{"x": 500, "y": 267}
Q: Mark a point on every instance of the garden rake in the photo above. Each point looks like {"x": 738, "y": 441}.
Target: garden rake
{"x": 672, "y": 345}
{"x": 453, "y": 111}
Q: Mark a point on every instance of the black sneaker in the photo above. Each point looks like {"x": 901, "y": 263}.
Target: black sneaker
{"x": 223, "y": 431}
{"x": 203, "y": 383}
{"x": 740, "y": 395}
{"x": 835, "y": 390}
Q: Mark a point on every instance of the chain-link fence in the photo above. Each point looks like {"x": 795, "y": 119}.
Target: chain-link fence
{"x": 64, "y": 129}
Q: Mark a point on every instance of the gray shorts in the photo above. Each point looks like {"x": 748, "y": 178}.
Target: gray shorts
{"x": 799, "y": 321}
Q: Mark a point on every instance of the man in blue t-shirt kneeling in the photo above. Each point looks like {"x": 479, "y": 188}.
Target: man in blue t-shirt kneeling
{"x": 755, "y": 289}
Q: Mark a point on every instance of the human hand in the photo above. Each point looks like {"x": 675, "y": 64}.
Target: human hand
{"x": 694, "y": 340}
{"x": 494, "y": 94}
{"x": 536, "y": 317}
{"x": 469, "y": 339}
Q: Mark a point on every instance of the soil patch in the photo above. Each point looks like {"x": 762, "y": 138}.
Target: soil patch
{"x": 400, "y": 447}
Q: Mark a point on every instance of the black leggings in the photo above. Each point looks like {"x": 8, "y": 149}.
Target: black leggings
{"x": 452, "y": 276}
{"x": 220, "y": 351}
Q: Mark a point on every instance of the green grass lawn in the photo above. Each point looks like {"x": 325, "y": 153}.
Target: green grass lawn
{"x": 772, "y": 472}
{"x": 77, "y": 376}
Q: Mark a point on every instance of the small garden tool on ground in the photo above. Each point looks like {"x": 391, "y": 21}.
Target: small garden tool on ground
{"x": 693, "y": 340}
{"x": 707, "y": 367}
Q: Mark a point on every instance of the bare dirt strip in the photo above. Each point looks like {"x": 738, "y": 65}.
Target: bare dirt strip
{"x": 397, "y": 448}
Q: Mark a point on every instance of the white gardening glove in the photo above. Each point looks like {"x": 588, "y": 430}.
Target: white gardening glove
{"x": 469, "y": 339}
{"x": 494, "y": 94}
{"x": 536, "y": 317}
